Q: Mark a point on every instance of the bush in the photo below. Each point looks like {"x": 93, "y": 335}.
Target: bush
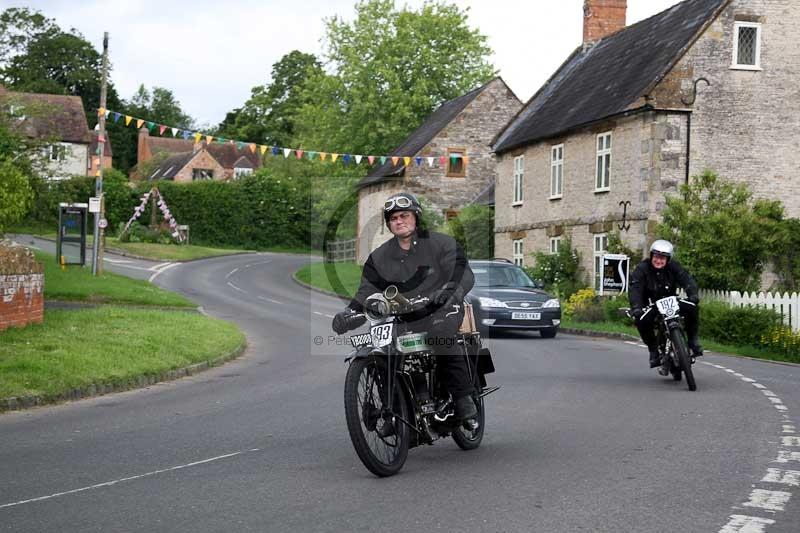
{"x": 741, "y": 326}
{"x": 140, "y": 233}
{"x": 473, "y": 228}
{"x": 592, "y": 312}
{"x": 782, "y": 340}
{"x": 580, "y": 299}
{"x": 558, "y": 272}
{"x": 611, "y": 309}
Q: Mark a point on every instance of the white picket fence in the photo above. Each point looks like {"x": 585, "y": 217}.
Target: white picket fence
{"x": 787, "y": 305}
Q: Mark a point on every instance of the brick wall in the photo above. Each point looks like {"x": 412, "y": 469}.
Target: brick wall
{"x": 202, "y": 160}
{"x": 21, "y": 288}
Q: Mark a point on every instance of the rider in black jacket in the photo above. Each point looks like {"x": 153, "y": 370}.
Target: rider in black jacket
{"x": 655, "y": 278}
{"x": 421, "y": 263}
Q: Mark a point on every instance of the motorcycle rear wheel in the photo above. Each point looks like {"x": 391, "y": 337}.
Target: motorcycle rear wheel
{"x": 380, "y": 442}
{"x": 469, "y": 440}
{"x": 682, "y": 353}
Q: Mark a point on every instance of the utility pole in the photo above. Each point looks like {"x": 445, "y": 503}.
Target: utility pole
{"x": 99, "y": 232}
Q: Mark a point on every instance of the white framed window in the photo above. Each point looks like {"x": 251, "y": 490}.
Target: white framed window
{"x": 200, "y": 174}
{"x": 602, "y": 179}
{"x": 746, "y": 46}
{"x": 239, "y": 172}
{"x": 600, "y": 248}
{"x": 555, "y": 244}
{"x": 556, "y": 171}
{"x": 58, "y": 152}
{"x": 519, "y": 173}
{"x": 519, "y": 259}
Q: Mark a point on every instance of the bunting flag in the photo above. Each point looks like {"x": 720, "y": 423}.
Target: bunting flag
{"x": 276, "y": 150}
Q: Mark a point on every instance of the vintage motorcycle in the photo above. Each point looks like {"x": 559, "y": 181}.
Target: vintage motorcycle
{"x": 393, "y": 398}
{"x": 671, "y": 337}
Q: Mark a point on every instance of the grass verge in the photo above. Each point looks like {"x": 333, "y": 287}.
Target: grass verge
{"x": 341, "y": 278}
{"x": 78, "y": 284}
{"x": 709, "y": 345}
{"x": 109, "y": 345}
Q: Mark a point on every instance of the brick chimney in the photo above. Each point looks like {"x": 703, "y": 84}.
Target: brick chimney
{"x": 601, "y": 18}
{"x": 143, "y": 148}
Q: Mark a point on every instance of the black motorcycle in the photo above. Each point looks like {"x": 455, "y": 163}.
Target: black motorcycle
{"x": 393, "y": 398}
{"x": 671, "y": 338}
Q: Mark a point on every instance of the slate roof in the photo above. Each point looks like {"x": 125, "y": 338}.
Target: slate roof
{"x": 226, "y": 154}
{"x": 50, "y": 116}
{"x": 610, "y": 77}
{"x": 171, "y": 166}
{"x": 415, "y": 142}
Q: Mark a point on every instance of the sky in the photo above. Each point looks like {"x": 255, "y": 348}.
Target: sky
{"x": 210, "y": 54}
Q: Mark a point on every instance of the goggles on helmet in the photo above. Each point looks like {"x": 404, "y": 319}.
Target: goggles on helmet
{"x": 401, "y": 202}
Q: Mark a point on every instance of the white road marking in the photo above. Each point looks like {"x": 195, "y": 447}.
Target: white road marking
{"x": 748, "y": 380}
{"x": 788, "y": 428}
{"x": 771, "y": 500}
{"x": 117, "y": 261}
{"x": 232, "y": 272}
{"x": 791, "y": 441}
{"x": 159, "y": 266}
{"x": 740, "y": 523}
{"x": 235, "y": 287}
{"x": 632, "y": 343}
{"x": 786, "y": 456}
{"x": 784, "y": 477}
{"x": 774, "y": 399}
{"x": 131, "y": 478}
{"x": 758, "y": 385}
{"x": 766, "y": 392}
{"x": 161, "y": 269}
{"x": 270, "y": 300}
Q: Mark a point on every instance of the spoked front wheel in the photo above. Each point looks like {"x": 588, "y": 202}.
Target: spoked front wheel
{"x": 380, "y": 438}
{"x": 684, "y": 360}
{"x": 469, "y": 439}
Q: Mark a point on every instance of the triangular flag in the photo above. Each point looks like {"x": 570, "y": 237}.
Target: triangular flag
{"x": 128, "y": 120}
{"x": 240, "y": 145}
{"x": 263, "y": 149}
{"x": 442, "y": 161}
{"x": 454, "y": 156}
{"x": 430, "y": 161}
{"x": 197, "y": 137}
{"x": 174, "y": 132}
{"x": 311, "y": 155}
{"x": 116, "y": 117}
{"x": 209, "y": 138}
{"x": 395, "y": 159}
{"x": 101, "y": 139}
{"x": 186, "y": 135}
{"x": 286, "y": 152}
{"x": 275, "y": 150}
{"x": 253, "y": 147}
{"x": 101, "y": 111}
{"x": 107, "y": 113}
{"x": 407, "y": 160}
{"x": 383, "y": 159}
{"x": 346, "y": 159}
{"x": 323, "y": 155}
{"x": 161, "y": 130}
{"x": 150, "y": 126}
{"x": 139, "y": 123}
{"x": 299, "y": 154}
{"x": 221, "y": 140}
{"x": 418, "y": 160}
{"x": 334, "y": 157}
{"x": 358, "y": 159}
{"x": 371, "y": 159}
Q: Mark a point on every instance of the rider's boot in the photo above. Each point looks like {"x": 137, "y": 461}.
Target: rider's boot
{"x": 655, "y": 358}
{"x": 465, "y": 408}
{"x": 694, "y": 347}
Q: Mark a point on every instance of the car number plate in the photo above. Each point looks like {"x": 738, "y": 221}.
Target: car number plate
{"x": 526, "y": 316}
{"x": 381, "y": 335}
{"x": 363, "y": 339}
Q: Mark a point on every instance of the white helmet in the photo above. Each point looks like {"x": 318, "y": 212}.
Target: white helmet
{"x": 662, "y": 247}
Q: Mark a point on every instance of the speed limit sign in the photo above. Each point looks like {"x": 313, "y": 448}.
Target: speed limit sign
{"x": 103, "y": 224}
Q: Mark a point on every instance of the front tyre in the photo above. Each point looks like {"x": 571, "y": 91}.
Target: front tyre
{"x": 682, "y": 353}
{"x": 380, "y": 439}
{"x": 470, "y": 439}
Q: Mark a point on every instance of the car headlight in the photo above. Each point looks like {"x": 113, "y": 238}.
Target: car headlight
{"x": 491, "y": 302}
{"x": 552, "y": 303}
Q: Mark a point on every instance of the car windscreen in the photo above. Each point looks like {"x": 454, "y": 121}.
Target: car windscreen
{"x": 501, "y": 276}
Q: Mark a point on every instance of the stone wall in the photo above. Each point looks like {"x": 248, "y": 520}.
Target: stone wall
{"x": 21, "y": 287}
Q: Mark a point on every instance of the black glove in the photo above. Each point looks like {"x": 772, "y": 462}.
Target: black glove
{"x": 346, "y": 320}
{"x": 637, "y": 313}
{"x": 449, "y": 292}
{"x": 694, "y": 298}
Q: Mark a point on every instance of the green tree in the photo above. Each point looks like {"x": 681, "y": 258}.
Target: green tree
{"x": 473, "y": 228}
{"x": 269, "y": 115}
{"x": 390, "y": 68}
{"x": 17, "y": 167}
{"x": 720, "y": 235}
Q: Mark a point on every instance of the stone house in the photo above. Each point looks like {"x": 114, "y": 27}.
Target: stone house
{"x": 635, "y": 111}
{"x": 186, "y": 160}
{"x": 450, "y": 161}
{"x": 59, "y": 121}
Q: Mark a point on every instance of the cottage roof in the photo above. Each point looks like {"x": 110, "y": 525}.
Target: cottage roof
{"x": 227, "y": 154}
{"x": 50, "y": 116}
{"x": 611, "y": 77}
{"x": 415, "y": 142}
{"x": 171, "y": 166}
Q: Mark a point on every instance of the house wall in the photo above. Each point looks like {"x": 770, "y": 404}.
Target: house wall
{"x": 473, "y": 129}
{"x": 745, "y": 124}
{"x": 107, "y": 163}
{"x": 74, "y": 163}
{"x": 201, "y": 160}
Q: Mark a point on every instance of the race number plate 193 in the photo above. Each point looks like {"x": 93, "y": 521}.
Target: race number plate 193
{"x": 668, "y": 306}
{"x": 381, "y": 335}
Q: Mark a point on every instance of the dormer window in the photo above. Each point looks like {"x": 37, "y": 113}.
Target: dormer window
{"x": 746, "y": 46}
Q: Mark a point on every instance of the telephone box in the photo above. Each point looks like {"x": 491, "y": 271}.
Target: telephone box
{"x": 71, "y": 241}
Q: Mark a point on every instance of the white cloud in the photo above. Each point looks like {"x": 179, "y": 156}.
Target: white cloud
{"x": 211, "y": 53}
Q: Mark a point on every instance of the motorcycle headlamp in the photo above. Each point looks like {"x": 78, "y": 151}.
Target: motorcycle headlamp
{"x": 376, "y": 307}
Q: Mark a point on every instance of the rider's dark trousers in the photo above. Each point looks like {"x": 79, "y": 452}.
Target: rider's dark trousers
{"x": 442, "y": 328}
{"x": 646, "y": 324}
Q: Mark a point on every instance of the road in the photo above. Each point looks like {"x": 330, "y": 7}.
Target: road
{"x": 581, "y": 437}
